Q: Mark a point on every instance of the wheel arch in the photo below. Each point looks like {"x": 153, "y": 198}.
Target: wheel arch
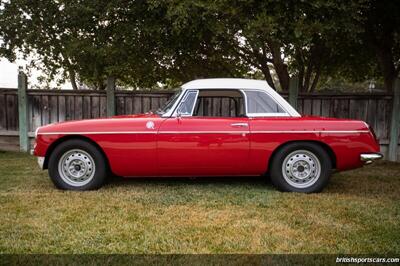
{"x": 323, "y": 145}
{"x": 69, "y": 137}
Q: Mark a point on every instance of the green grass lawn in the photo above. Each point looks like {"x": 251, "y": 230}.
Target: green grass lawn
{"x": 357, "y": 213}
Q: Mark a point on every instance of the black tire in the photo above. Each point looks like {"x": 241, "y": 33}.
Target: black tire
{"x": 98, "y": 175}
{"x": 282, "y": 182}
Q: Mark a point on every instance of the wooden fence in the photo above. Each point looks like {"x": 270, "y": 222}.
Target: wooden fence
{"x": 49, "y": 106}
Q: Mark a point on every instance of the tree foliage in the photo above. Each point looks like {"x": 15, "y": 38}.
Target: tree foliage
{"x": 381, "y": 34}
{"x": 142, "y": 43}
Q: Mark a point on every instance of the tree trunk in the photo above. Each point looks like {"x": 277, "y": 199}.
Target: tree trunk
{"x": 72, "y": 79}
{"x": 387, "y": 67}
{"x": 281, "y": 68}
{"x": 307, "y": 77}
{"x": 283, "y": 75}
{"x": 382, "y": 42}
{"x": 268, "y": 77}
{"x": 315, "y": 81}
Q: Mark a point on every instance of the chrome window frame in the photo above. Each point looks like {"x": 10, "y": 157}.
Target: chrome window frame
{"x": 177, "y": 102}
{"x": 174, "y": 114}
{"x": 182, "y": 99}
{"x": 286, "y": 113}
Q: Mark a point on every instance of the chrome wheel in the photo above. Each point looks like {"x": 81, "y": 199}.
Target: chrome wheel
{"x": 301, "y": 168}
{"x": 76, "y": 167}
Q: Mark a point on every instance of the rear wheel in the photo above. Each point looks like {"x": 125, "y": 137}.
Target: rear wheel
{"x": 77, "y": 165}
{"x": 301, "y": 167}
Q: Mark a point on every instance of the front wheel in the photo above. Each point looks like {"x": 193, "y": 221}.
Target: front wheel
{"x": 77, "y": 165}
{"x": 301, "y": 167}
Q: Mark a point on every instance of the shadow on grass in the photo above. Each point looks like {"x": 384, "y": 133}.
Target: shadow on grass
{"x": 256, "y": 181}
{"x": 339, "y": 184}
{"x": 352, "y": 183}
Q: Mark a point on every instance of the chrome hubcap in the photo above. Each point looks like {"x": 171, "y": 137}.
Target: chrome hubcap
{"x": 301, "y": 169}
{"x": 76, "y": 167}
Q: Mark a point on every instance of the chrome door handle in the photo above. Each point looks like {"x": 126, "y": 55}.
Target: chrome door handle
{"x": 239, "y": 125}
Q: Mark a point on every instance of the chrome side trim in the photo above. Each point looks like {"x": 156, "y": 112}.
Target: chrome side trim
{"x": 368, "y": 158}
{"x": 204, "y": 132}
{"x": 98, "y": 133}
{"x": 312, "y": 131}
{"x": 268, "y": 115}
{"x": 210, "y": 132}
{"x": 40, "y": 161}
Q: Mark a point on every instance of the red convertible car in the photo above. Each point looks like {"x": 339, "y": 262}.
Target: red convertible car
{"x": 260, "y": 133}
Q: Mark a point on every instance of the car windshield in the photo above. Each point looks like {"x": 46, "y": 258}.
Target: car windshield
{"x": 168, "y": 105}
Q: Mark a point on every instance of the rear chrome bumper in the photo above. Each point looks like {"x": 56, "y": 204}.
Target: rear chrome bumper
{"x": 368, "y": 158}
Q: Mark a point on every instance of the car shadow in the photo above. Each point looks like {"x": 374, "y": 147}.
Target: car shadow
{"x": 255, "y": 181}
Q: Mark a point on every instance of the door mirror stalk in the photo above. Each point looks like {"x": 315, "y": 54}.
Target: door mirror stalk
{"x": 178, "y": 114}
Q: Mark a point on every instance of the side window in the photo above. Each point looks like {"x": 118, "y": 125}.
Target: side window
{"x": 259, "y": 102}
{"x": 219, "y": 107}
{"x": 219, "y": 103}
{"x": 187, "y": 105}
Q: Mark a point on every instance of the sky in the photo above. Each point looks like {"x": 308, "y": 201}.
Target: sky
{"x": 9, "y": 74}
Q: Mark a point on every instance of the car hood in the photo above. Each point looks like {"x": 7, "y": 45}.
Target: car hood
{"x": 121, "y": 123}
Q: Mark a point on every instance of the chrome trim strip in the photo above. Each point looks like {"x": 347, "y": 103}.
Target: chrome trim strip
{"x": 312, "y": 131}
{"x": 257, "y": 115}
{"x": 172, "y": 109}
{"x": 174, "y": 114}
{"x": 244, "y": 102}
{"x": 98, "y": 133}
{"x": 195, "y": 102}
{"x": 278, "y": 99}
{"x": 210, "y": 132}
{"x": 203, "y": 132}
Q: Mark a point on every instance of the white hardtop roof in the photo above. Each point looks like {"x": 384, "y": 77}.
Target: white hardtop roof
{"x": 227, "y": 83}
{"x": 232, "y": 83}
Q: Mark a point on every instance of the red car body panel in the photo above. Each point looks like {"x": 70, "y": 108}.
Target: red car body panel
{"x": 200, "y": 146}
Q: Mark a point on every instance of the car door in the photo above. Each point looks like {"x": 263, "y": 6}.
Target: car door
{"x": 200, "y": 146}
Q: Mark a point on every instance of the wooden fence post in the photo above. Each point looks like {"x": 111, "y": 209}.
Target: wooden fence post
{"x": 23, "y": 111}
{"x": 293, "y": 91}
{"x": 395, "y": 122}
{"x": 110, "y": 96}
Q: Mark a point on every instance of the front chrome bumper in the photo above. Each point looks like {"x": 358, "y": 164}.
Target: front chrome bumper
{"x": 368, "y": 158}
{"x": 40, "y": 161}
